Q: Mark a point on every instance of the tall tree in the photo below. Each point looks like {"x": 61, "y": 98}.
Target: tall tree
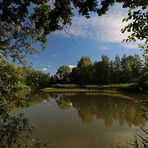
{"x": 37, "y": 79}
{"x": 117, "y": 69}
{"x": 85, "y": 70}
{"x": 131, "y": 67}
{"x": 102, "y": 70}
{"x": 128, "y": 69}
{"x": 63, "y": 73}
{"x": 74, "y": 75}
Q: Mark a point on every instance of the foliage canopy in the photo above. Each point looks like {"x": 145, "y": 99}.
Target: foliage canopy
{"x": 23, "y": 22}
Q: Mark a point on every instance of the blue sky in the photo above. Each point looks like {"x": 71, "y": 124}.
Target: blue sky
{"x": 92, "y": 37}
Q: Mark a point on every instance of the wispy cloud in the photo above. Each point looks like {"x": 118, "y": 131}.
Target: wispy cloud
{"x": 48, "y": 65}
{"x": 55, "y": 55}
{"x": 44, "y": 69}
{"x": 130, "y": 45}
{"x": 106, "y": 28}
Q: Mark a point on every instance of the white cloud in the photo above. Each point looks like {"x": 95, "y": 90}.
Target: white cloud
{"x": 44, "y": 69}
{"x": 72, "y": 66}
{"x": 106, "y": 28}
{"x": 48, "y": 65}
{"x": 130, "y": 45}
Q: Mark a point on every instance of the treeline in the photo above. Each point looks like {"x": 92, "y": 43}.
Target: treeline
{"x": 127, "y": 69}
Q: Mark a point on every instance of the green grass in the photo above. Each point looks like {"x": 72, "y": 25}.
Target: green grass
{"x": 91, "y": 86}
{"x": 130, "y": 87}
{"x": 68, "y": 90}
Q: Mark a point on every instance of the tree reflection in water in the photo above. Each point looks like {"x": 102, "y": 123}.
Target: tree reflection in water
{"x": 130, "y": 111}
{"x": 15, "y": 131}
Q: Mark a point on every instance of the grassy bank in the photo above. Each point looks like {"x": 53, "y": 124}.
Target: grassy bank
{"x": 93, "y": 88}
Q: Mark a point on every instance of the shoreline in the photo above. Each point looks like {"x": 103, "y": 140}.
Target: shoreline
{"x": 130, "y": 89}
{"x": 76, "y": 90}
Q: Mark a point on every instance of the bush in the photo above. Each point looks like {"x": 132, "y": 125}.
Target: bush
{"x": 21, "y": 90}
{"x": 143, "y": 82}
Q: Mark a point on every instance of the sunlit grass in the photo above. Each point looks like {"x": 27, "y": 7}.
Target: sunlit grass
{"x": 91, "y": 88}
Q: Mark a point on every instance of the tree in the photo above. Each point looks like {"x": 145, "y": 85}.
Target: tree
{"x": 37, "y": 79}
{"x": 131, "y": 67}
{"x": 63, "y": 73}
{"x": 143, "y": 81}
{"x": 84, "y": 62}
{"x": 8, "y": 79}
{"x": 85, "y": 70}
{"x": 117, "y": 70}
{"x": 74, "y": 75}
{"x": 102, "y": 70}
{"x": 128, "y": 69}
{"x": 137, "y": 67}
{"x": 138, "y": 26}
{"x": 23, "y": 22}
{"x": 12, "y": 81}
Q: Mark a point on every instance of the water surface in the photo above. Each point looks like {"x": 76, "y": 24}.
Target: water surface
{"x": 87, "y": 120}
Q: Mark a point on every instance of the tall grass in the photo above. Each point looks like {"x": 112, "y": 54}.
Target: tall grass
{"x": 140, "y": 141}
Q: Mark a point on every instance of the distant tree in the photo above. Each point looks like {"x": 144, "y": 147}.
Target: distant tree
{"x": 143, "y": 81}
{"x": 63, "y": 73}
{"x": 74, "y": 75}
{"x": 53, "y": 80}
{"x": 84, "y": 62}
{"x": 137, "y": 67}
{"x": 117, "y": 70}
{"x": 132, "y": 67}
{"x": 127, "y": 69}
{"x": 102, "y": 70}
{"x": 85, "y": 70}
{"x": 37, "y": 79}
{"x": 106, "y": 69}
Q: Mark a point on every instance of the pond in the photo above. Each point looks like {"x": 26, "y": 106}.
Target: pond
{"x": 90, "y": 120}
{"x": 86, "y": 120}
